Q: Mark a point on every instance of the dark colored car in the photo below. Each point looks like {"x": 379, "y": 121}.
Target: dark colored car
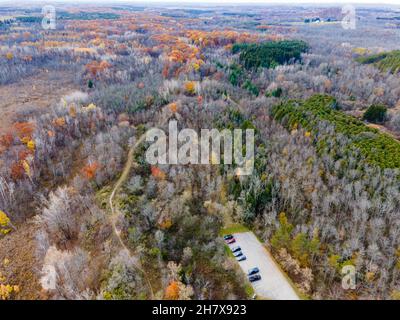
{"x": 238, "y": 254}
{"x": 230, "y": 241}
{"x": 228, "y": 236}
{"x": 241, "y": 258}
{"x": 253, "y": 271}
{"x": 256, "y": 277}
{"x": 234, "y": 249}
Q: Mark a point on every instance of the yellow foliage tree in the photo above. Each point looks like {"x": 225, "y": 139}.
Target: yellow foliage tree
{"x": 196, "y": 66}
{"x": 190, "y": 87}
{"x": 166, "y": 223}
{"x": 5, "y": 223}
{"x": 72, "y": 111}
{"x": 395, "y": 295}
{"x": 398, "y": 258}
{"x": 90, "y": 107}
{"x": 31, "y": 145}
{"x": 7, "y": 290}
{"x": 27, "y": 168}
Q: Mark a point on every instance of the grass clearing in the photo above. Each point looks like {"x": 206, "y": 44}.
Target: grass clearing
{"x": 228, "y": 251}
{"x": 234, "y": 228}
{"x": 249, "y": 290}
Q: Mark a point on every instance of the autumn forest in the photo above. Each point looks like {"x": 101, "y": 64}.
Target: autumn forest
{"x": 83, "y": 215}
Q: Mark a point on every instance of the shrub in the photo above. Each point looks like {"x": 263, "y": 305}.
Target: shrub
{"x": 7, "y": 291}
{"x": 123, "y": 281}
{"x": 281, "y": 238}
{"x": 249, "y": 86}
{"x": 190, "y": 88}
{"x": 172, "y": 291}
{"x": 4, "y": 223}
{"x": 236, "y": 74}
{"x": 60, "y": 216}
{"x": 375, "y": 114}
{"x": 277, "y": 93}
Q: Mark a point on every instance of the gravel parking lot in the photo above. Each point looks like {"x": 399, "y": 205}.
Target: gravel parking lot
{"x": 273, "y": 283}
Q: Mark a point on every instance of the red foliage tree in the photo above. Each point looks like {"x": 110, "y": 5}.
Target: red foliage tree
{"x": 89, "y": 171}
{"x": 17, "y": 171}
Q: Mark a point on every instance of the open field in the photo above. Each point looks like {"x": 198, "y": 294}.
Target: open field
{"x": 33, "y": 95}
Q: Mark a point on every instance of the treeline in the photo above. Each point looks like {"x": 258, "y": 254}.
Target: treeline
{"x": 87, "y": 16}
{"x": 29, "y": 19}
{"x": 71, "y": 16}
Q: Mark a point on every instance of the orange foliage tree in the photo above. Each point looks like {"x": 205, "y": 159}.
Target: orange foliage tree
{"x": 17, "y": 171}
{"x": 24, "y": 130}
{"x": 157, "y": 173}
{"x": 6, "y": 140}
{"x": 89, "y": 171}
{"x": 190, "y": 88}
{"x": 59, "y": 122}
{"x": 96, "y": 67}
{"x": 173, "y": 107}
{"x": 172, "y": 291}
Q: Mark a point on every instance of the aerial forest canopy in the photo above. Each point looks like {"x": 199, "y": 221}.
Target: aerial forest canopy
{"x": 269, "y": 54}
{"x": 84, "y": 212}
{"x": 386, "y": 61}
{"x": 376, "y": 147}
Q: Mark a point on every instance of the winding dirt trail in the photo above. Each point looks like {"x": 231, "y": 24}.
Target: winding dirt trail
{"x": 115, "y": 213}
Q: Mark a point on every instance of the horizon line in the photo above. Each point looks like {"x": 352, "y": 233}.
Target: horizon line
{"x": 219, "y": 3}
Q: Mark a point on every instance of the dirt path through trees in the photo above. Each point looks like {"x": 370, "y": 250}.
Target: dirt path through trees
{"x": 115, "y": 213}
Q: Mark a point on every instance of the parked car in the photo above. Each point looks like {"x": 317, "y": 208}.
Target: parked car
{"x": 228, "y": 236}
{"x": 230, "y": 241}
{"x": 238, "y": 254}
{"x": 256, "y": 277}
{"x": 253, "y": 271}
{"x": 234, "y": 249}
{"x": 241, "y": 258}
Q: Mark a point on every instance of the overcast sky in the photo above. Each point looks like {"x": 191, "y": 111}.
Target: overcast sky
{"x": 218, "y": 2}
